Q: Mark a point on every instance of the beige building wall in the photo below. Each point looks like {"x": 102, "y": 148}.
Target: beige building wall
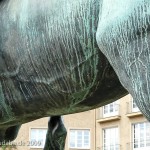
{"x": 95, "y": 122}
{"x": 23, "y": 138}
{"x": 123, "y": 120}
{"x": 84, "y": 120}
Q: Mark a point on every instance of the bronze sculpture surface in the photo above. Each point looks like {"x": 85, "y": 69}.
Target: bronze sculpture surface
{"x": 61, "y": 57}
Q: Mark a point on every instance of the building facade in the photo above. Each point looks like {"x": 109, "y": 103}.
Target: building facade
{"x": 121, "y": 126}
{"x": 116, "y": 126}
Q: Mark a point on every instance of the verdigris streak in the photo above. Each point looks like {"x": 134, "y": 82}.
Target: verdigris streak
{"x": 56, "y": 58}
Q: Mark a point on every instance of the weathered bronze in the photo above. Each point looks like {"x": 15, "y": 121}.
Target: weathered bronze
{"x": 62, "y": 56}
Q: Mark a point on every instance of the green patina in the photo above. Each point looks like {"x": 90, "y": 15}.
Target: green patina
{"x": 50, "y": 60}
{"x": 6, "y": 110}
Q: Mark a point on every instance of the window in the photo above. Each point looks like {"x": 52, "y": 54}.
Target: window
{"x": 110, "y": 139}
{"x": 79, "y": 139}
{"x": 141, "y": 136}
{"x": 37, "y": 137}
{"x": 111, "y": 109}
{"x": 134, "y": 106}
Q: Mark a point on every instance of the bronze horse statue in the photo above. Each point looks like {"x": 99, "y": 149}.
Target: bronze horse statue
{"x": 60, "y": 57}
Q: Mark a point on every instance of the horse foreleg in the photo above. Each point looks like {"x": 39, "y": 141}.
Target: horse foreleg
{"x": 56, "y": 134}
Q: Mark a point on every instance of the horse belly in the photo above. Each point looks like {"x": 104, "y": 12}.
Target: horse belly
{"x": 50, "y": 61}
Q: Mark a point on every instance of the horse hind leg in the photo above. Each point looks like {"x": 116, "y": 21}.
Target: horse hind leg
{"x": 126, "y": 44}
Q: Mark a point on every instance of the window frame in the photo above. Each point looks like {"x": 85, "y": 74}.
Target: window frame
{"x": 76, "y": 143}
{"x": 104, "y": 139}
{"x": 134, "y": 109}
{"x": 32, "y": 145}
{"x": 114, "y": 113}
{"x": 145, "y": 147}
